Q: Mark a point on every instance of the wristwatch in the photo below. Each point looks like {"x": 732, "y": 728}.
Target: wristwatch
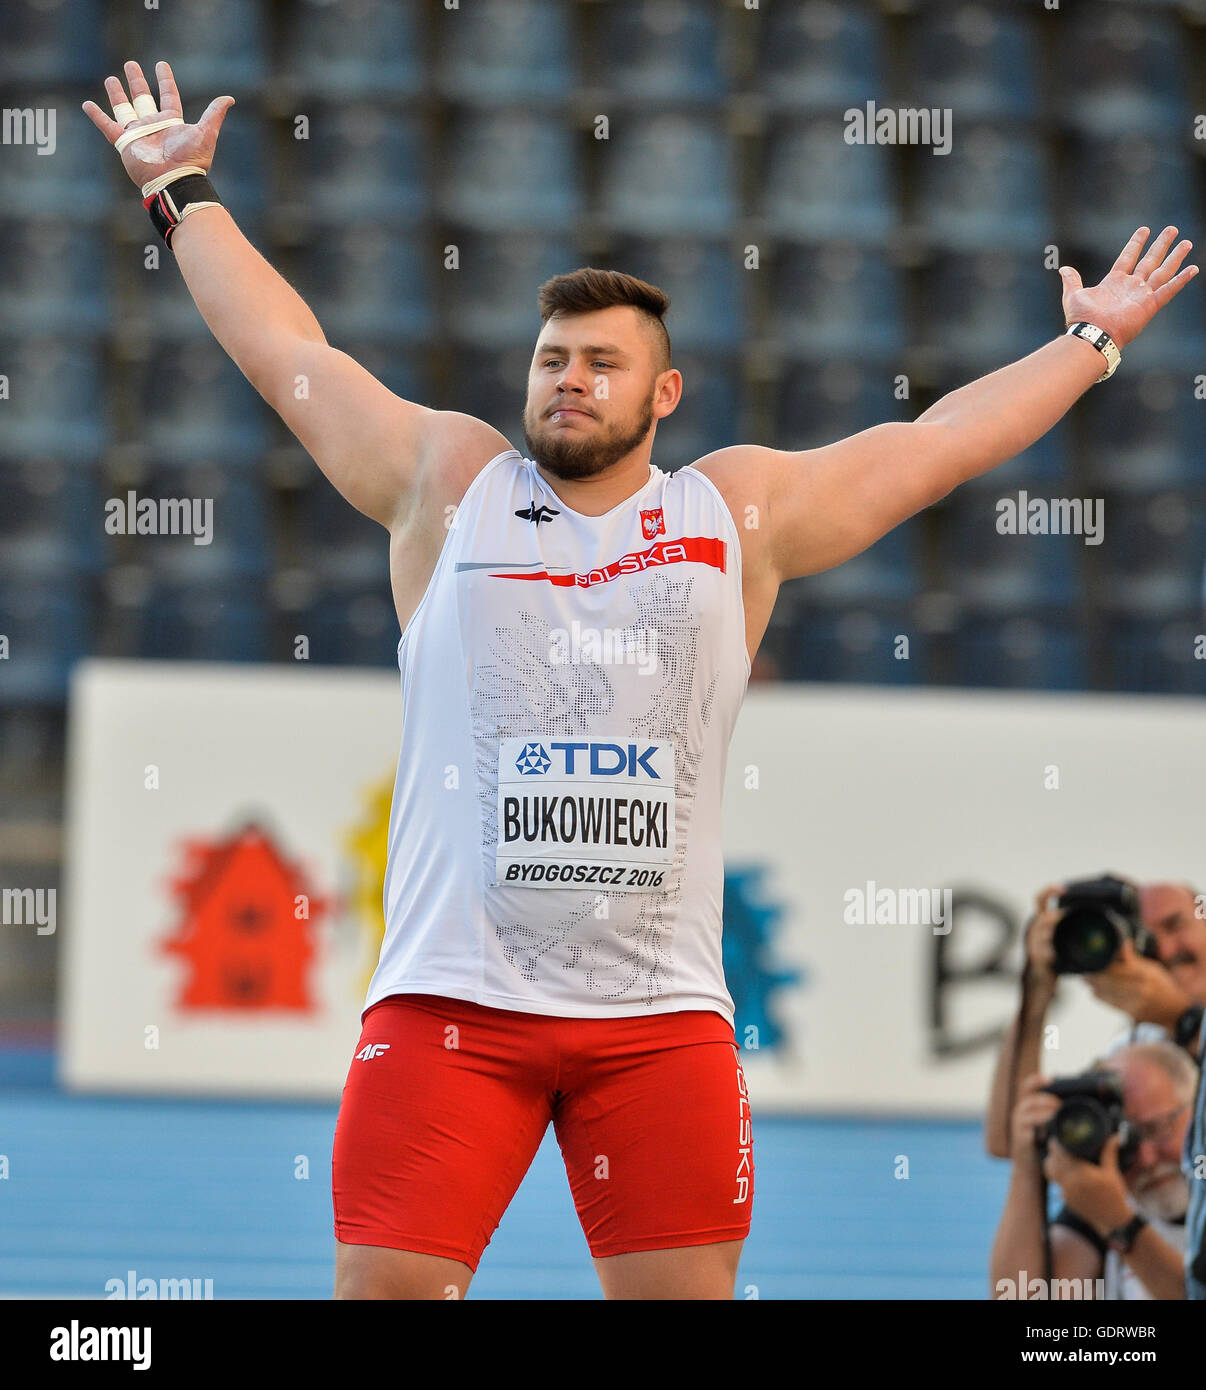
{"x": 1122, "y": 1238}
{"x": 1102, "y": 341}
{"x": 1187, "y": 1028}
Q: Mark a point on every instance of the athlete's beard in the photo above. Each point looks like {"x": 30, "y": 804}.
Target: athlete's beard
{"x": 1166, "y": 1200}
{"x": 563, "y": 455}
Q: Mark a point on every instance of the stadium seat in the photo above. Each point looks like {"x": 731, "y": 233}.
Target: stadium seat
{"x": 353, "y": 51}
{"x": 231, "y": 508}
{"x": 817, "y": 405}
{"x": 820, "y": 55}
{"x": 1144, "y": 431}
{"x": 888, "y": 571}
{"x": 507, "y": 51}
{"x": 707, "y": 417}
{"x": 216, "y": 621}
{"x": 816, "y": 187}
{"x": 334, "y": 542}
{"x": 1001, "y": 571}
{"x": 985, "y": 309}
{"x": 489, "y": 383}
{"x": 1153, "y": 656}
{"x": 355, "y": 158}
{"x": 667, "y": 175}
{"x": 980, "y": 61}
{"x": 216, "y": 47}
{"x": 49, "y": 41}
{"x": 835, "y": 300}
{"x": 57, "y": 403}
{"x": 853, "y": 644}
{"x": 232, "y": 428}
{"x": 1131, "y": 72}
{"x": 709, "y": 288}
{"x": 490, "y": 298}
{"x": 1151, "y": 562}
{"x": 1018, "y": 651}
{"x": 51, "y": 521}
{"x": 509, "y": 171}
{"x": 369, "y": 281}
{"x": 1110, "y": 184}
{"x": 659, "y": 52}
{"x": 990, "y": 192}
{"x": 77, "y": 173}
{"x": 53, "y": 280}
{"x": 47, "y": 622}
{"x": 347, "y": 624}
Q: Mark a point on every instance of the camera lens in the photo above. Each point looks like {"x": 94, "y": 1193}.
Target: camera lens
{"x": 1085, "y": 941}
{"x": 1082, "y": 1126}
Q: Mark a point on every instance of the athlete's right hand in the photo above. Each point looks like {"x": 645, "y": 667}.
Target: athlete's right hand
{"x": 168, "y": 149}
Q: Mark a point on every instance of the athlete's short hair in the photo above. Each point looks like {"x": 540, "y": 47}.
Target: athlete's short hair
{"x": 587, "y": 289}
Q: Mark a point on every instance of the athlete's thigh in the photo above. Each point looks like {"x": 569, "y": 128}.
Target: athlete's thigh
{"x": 689, "y": 1271}
{"x": 377, "y": 1272}
{"x": 442, "y": 1113}
{"x": 658, "y": 1146}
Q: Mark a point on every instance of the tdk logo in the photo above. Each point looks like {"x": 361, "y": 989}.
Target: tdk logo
{"x": 600, "y": 759}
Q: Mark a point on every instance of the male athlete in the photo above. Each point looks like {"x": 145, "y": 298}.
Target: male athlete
{"x": 554, "y": 882}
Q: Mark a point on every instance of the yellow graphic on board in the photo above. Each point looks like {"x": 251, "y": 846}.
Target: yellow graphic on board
{"x": 367, "y": 845}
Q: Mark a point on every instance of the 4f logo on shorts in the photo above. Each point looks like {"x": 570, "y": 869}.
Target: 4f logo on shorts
{"x": 652, "y": 524}
{"x": 371, "y": 1050}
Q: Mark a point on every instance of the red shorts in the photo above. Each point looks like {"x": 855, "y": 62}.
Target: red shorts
{"x": 446, "y": 1103}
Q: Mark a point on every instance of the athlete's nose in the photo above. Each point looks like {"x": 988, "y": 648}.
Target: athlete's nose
{"x": 572, "y": 379}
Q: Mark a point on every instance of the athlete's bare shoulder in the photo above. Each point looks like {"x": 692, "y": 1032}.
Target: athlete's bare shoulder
{"x": 456, "y": 449}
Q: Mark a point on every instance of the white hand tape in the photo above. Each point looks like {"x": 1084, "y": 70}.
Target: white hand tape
{"x": 127, "y": 137}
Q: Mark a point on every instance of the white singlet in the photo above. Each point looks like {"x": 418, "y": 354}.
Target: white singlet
{"x": 569, "y": 689}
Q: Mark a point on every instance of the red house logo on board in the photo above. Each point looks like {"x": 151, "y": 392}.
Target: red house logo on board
{"x": 247, "y": 927}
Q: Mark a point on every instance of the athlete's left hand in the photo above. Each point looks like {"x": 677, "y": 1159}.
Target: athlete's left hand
{"x": 1129, "y": 296}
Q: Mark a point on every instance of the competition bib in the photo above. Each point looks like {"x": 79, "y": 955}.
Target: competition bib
{"x": 585, "y": 813}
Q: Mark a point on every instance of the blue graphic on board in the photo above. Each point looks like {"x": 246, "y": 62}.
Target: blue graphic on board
{"x": 751, "y": 923}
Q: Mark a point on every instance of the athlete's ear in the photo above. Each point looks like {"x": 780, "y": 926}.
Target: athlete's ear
{"x": 668, "y": 393}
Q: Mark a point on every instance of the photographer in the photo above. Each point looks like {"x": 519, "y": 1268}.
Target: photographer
{"x": 1167, "y": 991}
{"x": 1123, "y": 1215}
{"x": 1171, "y": 993}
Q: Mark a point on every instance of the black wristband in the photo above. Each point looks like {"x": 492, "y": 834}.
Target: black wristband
{"x": 169, "y": 205}
{"x": 1123, "y": 1238}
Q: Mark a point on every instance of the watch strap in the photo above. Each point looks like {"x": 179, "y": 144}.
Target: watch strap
{"x": 1099, "y": 339}
{"x": 1123, "y": 1238}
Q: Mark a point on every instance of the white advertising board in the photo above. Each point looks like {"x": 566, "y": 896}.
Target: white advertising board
{"x": 226, "y": 832}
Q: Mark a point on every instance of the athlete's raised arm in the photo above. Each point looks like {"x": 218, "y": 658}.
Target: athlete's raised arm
{"x": 370, "y": 443}
{"x": 818, "y": 507}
